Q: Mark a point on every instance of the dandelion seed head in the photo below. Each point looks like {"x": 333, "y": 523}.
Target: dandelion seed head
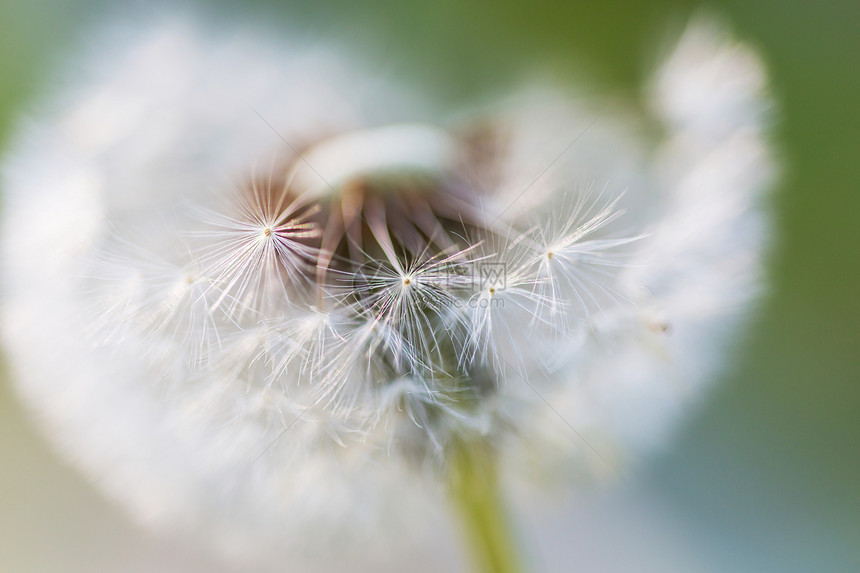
{"x": 271, "y": 303}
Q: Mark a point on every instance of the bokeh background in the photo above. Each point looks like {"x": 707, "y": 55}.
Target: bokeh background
{"x": 765, "y": 477}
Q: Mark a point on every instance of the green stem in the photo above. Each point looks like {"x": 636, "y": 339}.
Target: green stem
{"x": 474, "y": 489}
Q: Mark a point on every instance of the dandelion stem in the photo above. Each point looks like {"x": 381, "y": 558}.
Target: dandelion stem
{"x": 474, "y": 490}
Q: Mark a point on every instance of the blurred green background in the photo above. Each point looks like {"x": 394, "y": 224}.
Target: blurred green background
{"x": 767, "y": 476}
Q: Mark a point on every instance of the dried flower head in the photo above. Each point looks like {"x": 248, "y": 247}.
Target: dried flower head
{"x": 262, "y": 302}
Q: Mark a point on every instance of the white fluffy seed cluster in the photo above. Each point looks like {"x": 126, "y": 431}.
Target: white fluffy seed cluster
{"x": 254, "y": 293}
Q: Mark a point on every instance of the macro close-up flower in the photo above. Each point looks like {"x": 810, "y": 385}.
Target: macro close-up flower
{"x": 291, "y": 310}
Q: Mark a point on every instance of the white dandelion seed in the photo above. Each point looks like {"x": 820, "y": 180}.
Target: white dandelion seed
{"x": 503, "y": 305}
{"x": 301, "y": 364}
{"x": 262, "y": 252}
{"x": 579, "y": 263}
{"x": 411, "y": 295}
{"x": 166, "y": 303}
